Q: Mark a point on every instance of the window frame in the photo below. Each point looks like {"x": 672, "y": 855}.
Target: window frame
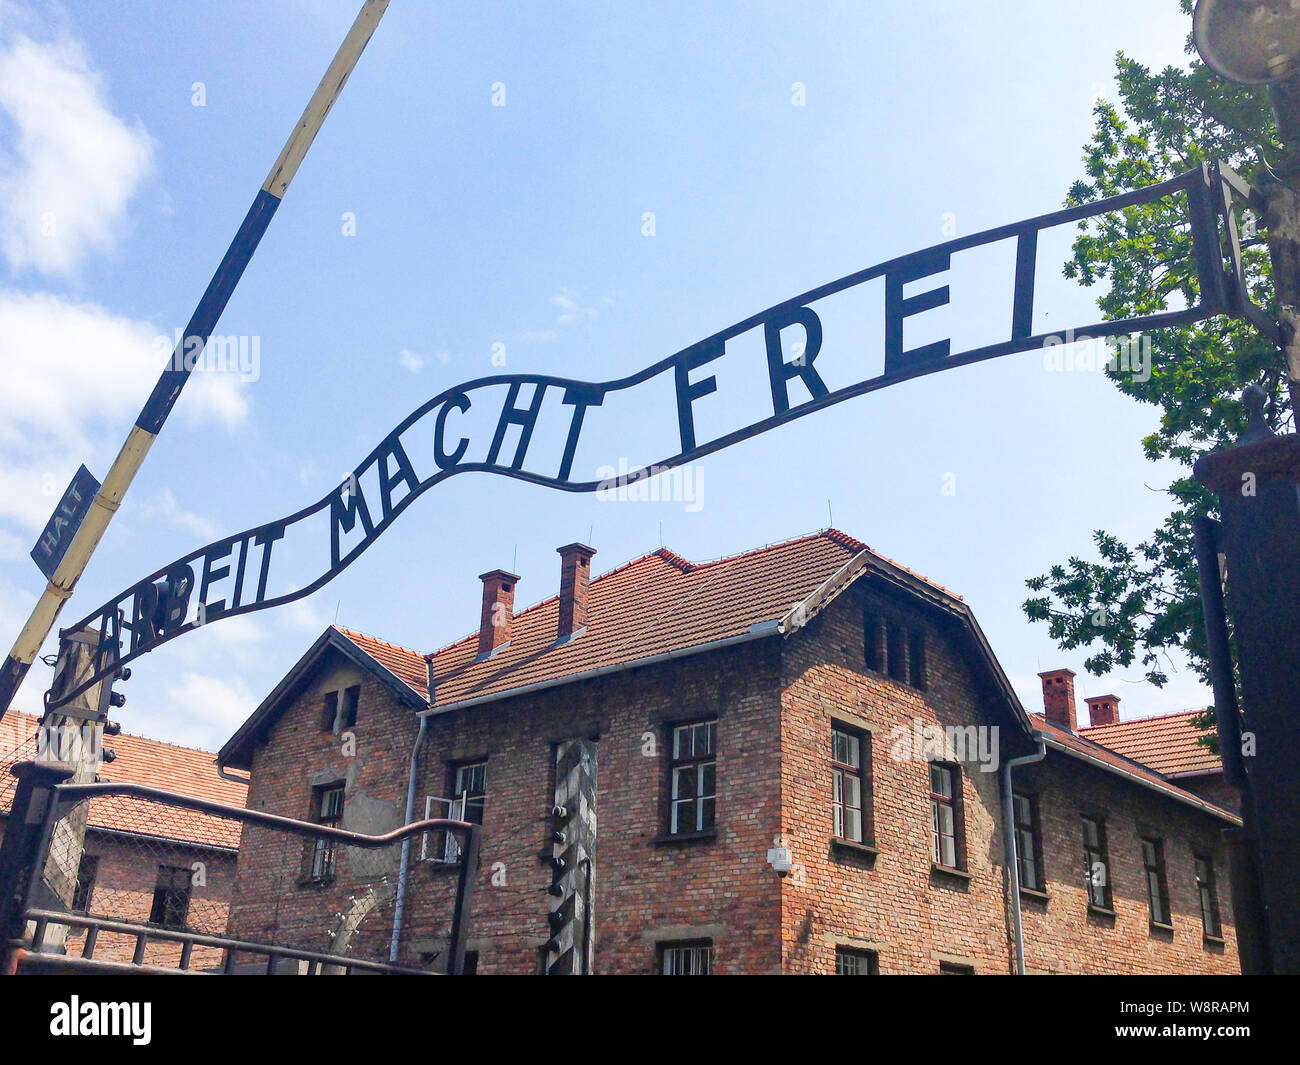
{"x": 896, "y": 636}
{"x": 465, "y": 804}
{"x": 322, "y": 852}
{"x": 700, "y": 763}
{"x": 1034, "y": 829}
{"x": 859, "y": 955}
{"x": 916, "y": 658}
{"x": 87, "y": 876}
{"x": 894, "y": 648}
{"x": 167, "y": 892}
{"x": 1156, "y": 867}
{"x": 1207, "y": 886}
{"x": 329, "y": 711}
{"x": 873, "y": 640}
{"x": 953, "y": 802}
{"x": 667, "y": 947}
{"x": 1094, "y": 854}
{"x": 349, "y": 707}
{"x": 862, "y": 772}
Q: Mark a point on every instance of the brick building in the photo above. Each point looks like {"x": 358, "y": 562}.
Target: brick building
{"x": 143, "y": 861}
{"x": 811, "y": 705}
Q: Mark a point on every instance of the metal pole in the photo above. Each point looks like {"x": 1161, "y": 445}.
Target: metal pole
{"x": 1258, "y": 487}
{"x": 1282, "y": 219}
{"x": 1241, "y": 844}
{"x": 174, "y": 377}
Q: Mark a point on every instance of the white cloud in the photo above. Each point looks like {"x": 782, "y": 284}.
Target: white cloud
{"x": 570, "y": 310}
{"x": 165, "y": 508}
{"x": 12, "y": 549}
{"x": 74, "y": 375}
{"x": 198, "y": 710}
{"x": 412, "y": 361}
{"x": 304, "y": 616}
{"x": 74, "y": 165}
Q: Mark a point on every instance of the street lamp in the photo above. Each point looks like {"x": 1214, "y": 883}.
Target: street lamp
{"x": 1255, "y": 42}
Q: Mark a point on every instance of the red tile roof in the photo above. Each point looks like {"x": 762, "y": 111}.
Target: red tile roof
{"x": 144, "y": 761}
{"x": 655, "y": 604}
{"x": 407, "y": 665}
{"x": 1168, "y": 743}
{"x": 1088, "y": 747}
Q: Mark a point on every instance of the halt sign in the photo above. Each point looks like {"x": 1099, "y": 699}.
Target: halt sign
{"x": 64, "y": 523}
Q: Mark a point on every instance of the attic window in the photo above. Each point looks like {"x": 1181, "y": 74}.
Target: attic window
{"x": 329, "y": 711}
{"x": 351, "y": 698}
{"x": 897, "y": 650}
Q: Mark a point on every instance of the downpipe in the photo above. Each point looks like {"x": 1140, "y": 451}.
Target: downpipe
{"x": 399, "y": 904}
{"x": 1009, "y": 844}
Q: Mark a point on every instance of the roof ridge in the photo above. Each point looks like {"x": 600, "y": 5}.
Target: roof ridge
{"x": 378, "y": 639}
{"x": 834, "y": 535}
{"x": 1144, "y": 720}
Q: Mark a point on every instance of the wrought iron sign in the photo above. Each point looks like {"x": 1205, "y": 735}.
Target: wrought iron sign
{"x": 781, "y": 365}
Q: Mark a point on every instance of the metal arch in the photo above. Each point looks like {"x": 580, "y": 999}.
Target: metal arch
{"x": 163, "y": 605}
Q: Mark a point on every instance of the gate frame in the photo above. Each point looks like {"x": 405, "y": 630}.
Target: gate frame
{"x": 43, "y": 796}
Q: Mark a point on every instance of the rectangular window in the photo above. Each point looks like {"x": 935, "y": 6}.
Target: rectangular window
{"x": 916, "y": 659}
{"x": 328, "y": 811}
{"x": 1208, "y": 895}
{"x": 692, "y": 778}
{"x": 945, "y": 815}
{"x": 329, "y": 711}
{"x": 947, "y": 968}
{"x": 873, "y": 641}
{"x": 686, "y": 959}
{"x": 348, "y": 714}
{"x": 1029, "y": 846}
{"x": 896, "y": 651}
{"x": 469, "y": 795}
{"x": 1153, "y": 863}
{"x": 852, "y": 962}
{"x": 1096, "y": 863}
{"x": 851, "y": 785}
{"x": 87, "y": 871}
{"x": 171, "y": 897}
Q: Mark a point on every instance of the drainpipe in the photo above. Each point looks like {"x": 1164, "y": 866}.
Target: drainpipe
{"x": 400, "y": 904}
{"x": 226, "y": 774}
{"x": 1009, "y": 844}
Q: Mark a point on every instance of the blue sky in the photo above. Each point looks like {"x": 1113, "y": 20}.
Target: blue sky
{"x": 520, "y": 229}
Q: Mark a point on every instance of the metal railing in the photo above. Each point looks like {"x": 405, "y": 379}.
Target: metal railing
{"x": 48, "y": 910}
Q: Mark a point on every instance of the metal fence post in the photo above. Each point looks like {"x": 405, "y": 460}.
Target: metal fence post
{"x": 468, "y": 878}
{"x": 1258, "y": 487}
{"x": 22, "y": 850}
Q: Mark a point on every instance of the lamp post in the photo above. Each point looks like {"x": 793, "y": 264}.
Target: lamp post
{"x": 1254, "y": 550}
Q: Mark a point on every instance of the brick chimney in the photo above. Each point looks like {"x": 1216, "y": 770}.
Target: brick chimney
{"x": 1058, "y": 698}
{"x": 498, "y": 609}
{"x": 1103, "y": 709}
{"x": 575, "y": 574}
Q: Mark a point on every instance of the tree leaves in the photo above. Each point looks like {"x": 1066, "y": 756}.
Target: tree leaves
{"x": 1135, "y": 604}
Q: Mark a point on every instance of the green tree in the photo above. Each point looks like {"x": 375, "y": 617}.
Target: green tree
{"x": 1137, "y": 602}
